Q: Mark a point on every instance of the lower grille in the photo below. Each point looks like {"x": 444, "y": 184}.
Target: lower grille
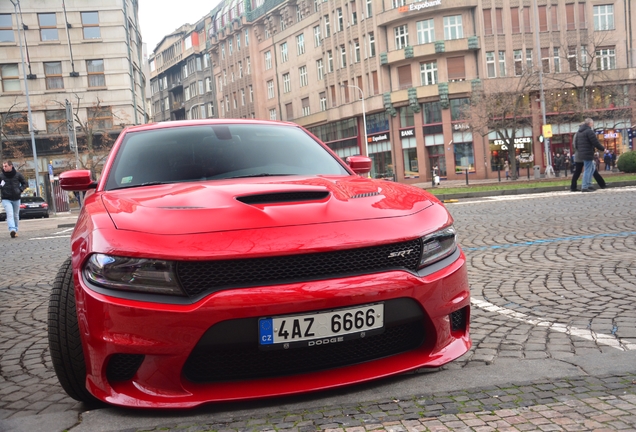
{"x": 234, "y": 363}
{"x": 122, "y": 367}
{"x": 458, "y": 320}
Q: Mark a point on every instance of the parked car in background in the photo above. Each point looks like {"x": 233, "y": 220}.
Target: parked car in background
{"x": 223, "y": 260}
{"x": 3, "y": 213}
{"x": 33, "y": 207}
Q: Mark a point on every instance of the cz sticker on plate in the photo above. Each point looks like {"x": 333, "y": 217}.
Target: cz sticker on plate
{"x": 321, "y": 328}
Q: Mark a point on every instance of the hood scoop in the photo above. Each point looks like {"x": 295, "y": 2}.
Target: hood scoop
{"x": 283, "y": 197}
{"x": 366, "y": 195}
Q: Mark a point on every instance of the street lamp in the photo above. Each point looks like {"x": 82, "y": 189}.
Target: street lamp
{"x": 549, "y": 172}
{"x": 364, "y": 117}
{"x": 16, "y": 3}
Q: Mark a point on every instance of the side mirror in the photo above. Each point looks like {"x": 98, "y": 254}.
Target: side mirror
{"x": 77, "y": 180}
{"x": 359, "y": 164}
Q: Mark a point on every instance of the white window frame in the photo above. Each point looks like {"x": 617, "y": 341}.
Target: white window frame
{"x": 606, "y": 58}
{"x": 284, "y": 54}
{"x": 428, "y": 73}
{"x": 300, "y": 44}
{"x": 426, "y": 31}
{"x": 491, "y": 69}
{"x": 317, "y": 39}
{"x": 453, "y": 28}
{"x": 401, "y": 36}
{"x": 604, "y": 17}
{"x": 302, "y": 74}
{"x": 329, "y": 61}
{"x": 268, "y": 60}
{"x": 270, "y": 89}
{"x": 343, "y": 56}
{"x": 320, "y": 69}
{"x": 339, "y": 20}
{"x": 286, "y": 83}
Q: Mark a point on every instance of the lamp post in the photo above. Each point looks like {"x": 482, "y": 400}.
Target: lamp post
{"x": 549, "y": 172}
{"x": 364, "y": 117}
{"x": 26, "y": 91}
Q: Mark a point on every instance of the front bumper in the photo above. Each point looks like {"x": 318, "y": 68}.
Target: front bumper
{"x": 166, "y": 337}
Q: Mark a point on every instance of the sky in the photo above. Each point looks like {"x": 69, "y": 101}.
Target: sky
{"x": 158, "y": 18}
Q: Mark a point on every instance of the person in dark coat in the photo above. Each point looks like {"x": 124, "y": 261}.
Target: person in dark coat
{"x": 586, "y": 144}
{"x": 607, "y": 159}
{"x": 12, "y": 183}
{"x": 577, "y": 169}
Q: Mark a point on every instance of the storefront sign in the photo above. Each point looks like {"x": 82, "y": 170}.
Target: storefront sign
{"x": 610, "y": 135}
{"x": 518, "y": 142}
{"x": 420, "y": 5}
{"x": 461, "y": 126}
{"x": 378, "y": 138}
{"x": 407, "y": 133}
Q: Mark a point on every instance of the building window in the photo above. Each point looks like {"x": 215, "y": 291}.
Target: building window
{"x": 242, "y": 97}
{"x": 545, "y": 59}
{"x": 200, "y": 85}
{"x": 299, "y": 14}
{"x": 329, "y": 61}
{"x": 456, "y": 68}
{"x": 6, "y": 28}
{"x": 251, "y": 94}
{"x": 323, "y": 101}
{"x": 95, "y": 69}
{"x": 343, "y": 56}
{"x": 488, "y": 22}
{"x": 354, "y": 13}
{"x": 398, "y": 3}
{"x": 425, "y": 31}
{"x": 317, "y": 39}
{"x": 55, "y": 121}
{"x": 272, "y": 114}
{"x": 604, "y": 17}
{"x": 464, "y": 157}
{"x": 327, "y": 26}
{"x": 490, "y": 64}
{"x": 518, "y": 57}
{"x": 283, "y": 25}
{"x": 48, "y": 27}
{"x": 186, "y": 93}
{"x": 300, "y": 44}
{"x": 557, "y": 61}
{"x": 320, "y": 70}
{"x": 369, "y": 8}
{"x": 10, "y": 78}
{"x": 249, "y": 66}
{"x": 53, "y": 73}
{"x": 247, "y": 37}
{"x": 283, "y": 53}
{"x": 100, "y": 117}
{"x": 238, "y": 42}
{"x": 339, "y": 20}
{"x": 270, "y": 89}
{"x": 302, "y": 72}
{"x": 210, "y": 109}
{"x": 289, "y": 111}
{"x": 371, "y": 45}
{"x": 305, "y": 106}
{"x": 268, "y": 60}
{"x": 529, "y": 63}
{"x": 240, "y": 67}
{"x": 428, "y": 73}
{"x": 453, "y": 27}
{"x": 286, "y": 83}
{"x": 606, "y": 59}
{"x": 208, "y": 84}
{"x": 401, "y": 36}
{"x": 90, "y": 25}
{"x": 356, "y": 50}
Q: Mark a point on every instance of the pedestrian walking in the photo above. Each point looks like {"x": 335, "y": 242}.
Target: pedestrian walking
{"x": 613, "y": 157}
{"x": 507, "y": 170}
{"x": 607, "y": 160}
{"x": 597, "y": 161}
{"x": 585, "y": 143}
{"x": 566, "y": 162}
{"x": 558, "y": 163}
{"x": 12, "y": 183}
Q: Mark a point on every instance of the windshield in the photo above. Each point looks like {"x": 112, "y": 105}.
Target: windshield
{"x": 211, "y": 152}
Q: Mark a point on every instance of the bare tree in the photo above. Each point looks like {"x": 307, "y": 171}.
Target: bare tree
{"x": 14, "y": 128}
{"x": 503, "y": 107}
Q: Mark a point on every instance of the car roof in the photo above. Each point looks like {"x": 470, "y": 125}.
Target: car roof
{"x": 203, "y": 122}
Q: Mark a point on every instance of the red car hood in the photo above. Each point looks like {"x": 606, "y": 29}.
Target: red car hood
{"x": 213, "y": 206}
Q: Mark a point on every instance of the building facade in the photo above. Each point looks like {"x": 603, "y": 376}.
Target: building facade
{"x": 395, "y": 79}
{"x": 87, "y": 54}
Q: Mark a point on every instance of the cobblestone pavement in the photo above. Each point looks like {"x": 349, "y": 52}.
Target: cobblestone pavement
{"x": 552, "y": 275}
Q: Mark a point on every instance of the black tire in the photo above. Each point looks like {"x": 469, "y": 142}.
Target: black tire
{"x": 46, "y": 215}
{"x": 65, "y": 344}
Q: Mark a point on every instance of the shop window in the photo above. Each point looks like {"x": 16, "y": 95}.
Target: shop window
{"x": 436, "y": 158}
{"x": 464, "y": 157}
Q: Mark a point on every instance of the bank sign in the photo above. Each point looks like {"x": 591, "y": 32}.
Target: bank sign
{"x": 419, "y": 5}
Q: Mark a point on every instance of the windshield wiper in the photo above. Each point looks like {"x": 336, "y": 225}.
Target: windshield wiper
{"x": 142, "y": 184}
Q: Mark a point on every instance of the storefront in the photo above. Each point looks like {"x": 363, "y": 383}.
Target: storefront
{"x": 409, "y": 153}
{"x": 500, "y": 152}
{"x": 380, "y": 153}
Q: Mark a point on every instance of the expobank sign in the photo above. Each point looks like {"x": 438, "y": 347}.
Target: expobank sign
{"x": 420, "y": 5}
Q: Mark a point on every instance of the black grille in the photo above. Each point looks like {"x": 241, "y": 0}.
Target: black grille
{"x": 198, "y": 277}
{"x": 233, "y": 363}
{"x": 283, "y": 197}
{"x": 122, "y": 367}
{"x": 458, "y": 320}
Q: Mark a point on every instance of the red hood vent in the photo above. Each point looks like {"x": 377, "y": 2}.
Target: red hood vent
{"x": 365, "y": 195}
{"x": 283, "y": 197}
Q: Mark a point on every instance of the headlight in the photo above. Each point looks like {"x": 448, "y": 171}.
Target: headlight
{"x": 438, "y": 245}
{"x": 132, "y": 274}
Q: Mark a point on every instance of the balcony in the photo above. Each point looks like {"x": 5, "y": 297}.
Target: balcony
{"x": 175, "y": 85}
{"x": 430, "y": 49}
{"x": 176, "y": 106}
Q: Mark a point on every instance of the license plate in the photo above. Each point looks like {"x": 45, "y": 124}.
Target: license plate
{"x": 321, "y": 327}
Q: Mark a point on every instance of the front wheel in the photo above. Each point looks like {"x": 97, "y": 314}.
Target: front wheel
{"x": 65, "y": 343}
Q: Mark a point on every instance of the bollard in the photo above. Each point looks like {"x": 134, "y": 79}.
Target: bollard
{"x": 528, "y": 171}
{"x": 433, "y": 178}
{"x": 499, "y": 173}
{"x": 466, "y": 176}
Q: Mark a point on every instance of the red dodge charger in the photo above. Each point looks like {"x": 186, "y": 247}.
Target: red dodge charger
{"x": 221, "y": 260}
